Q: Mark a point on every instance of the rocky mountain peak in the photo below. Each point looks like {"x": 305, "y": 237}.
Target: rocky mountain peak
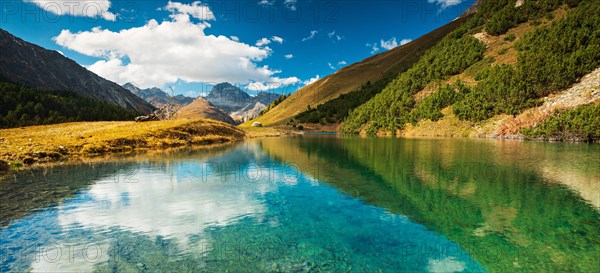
{"x": 157, "y": 96}
{"x": 227, "y": 92}
{"x": 228, "y": 97}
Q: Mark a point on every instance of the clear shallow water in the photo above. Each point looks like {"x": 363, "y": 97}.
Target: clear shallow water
{"x": 312, "y": 204}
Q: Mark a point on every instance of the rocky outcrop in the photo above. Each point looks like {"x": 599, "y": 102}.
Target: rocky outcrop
{"x": 587, "y": 90}
{"x": 250, "y": 111}
{"x": 33, "y": 66}
{"x": 255, "y": 106}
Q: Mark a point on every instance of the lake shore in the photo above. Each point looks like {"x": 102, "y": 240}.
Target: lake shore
{"x": 38, "y": 146}
{"x": 256, "y": 132}
{"x": 26, "y": 147}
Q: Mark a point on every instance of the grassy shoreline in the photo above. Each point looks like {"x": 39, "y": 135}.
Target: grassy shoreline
{"x": 23, "y": 147}
{"x": 38, "y": 146}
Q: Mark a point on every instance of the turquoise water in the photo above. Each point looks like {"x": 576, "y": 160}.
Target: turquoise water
{"x": 312, "y": 204}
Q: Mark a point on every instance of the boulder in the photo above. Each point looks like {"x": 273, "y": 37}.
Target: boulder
{"x": 151, "y": 117}
{"x": 257, "y": 124}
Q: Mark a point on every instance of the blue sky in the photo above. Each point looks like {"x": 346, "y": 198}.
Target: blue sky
{"x": 280, "y": 45}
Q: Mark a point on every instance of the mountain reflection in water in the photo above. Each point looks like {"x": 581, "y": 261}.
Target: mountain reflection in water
{"x": 312, "y": 203}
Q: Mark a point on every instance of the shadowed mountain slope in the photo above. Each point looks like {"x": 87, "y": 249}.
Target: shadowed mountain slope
{"x": 33, "y": 66}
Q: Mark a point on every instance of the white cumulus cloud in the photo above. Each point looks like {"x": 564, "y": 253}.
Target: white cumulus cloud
{"x": 156, "y": 54}
{"x": 310, "y": 36}
{"x": 266, "y": 41}
{"x": 389, "y": 44}
{"x": 263, "y": 42}
{"x": 277, "y": 39}
{"x": 273, "y": 83}
{"x": 311, "y": 80}
{"x": 374, "y": 47}
{"x": 195, "y": 9}
{"x": 335, "y": 37}
{"x": 289, "y": 56}
{"x": 445, "y": 3}
{"x": 266, "y": 2}
{"x": 85, "y": 8}
{"x": 290, "y": 4}
{"x": 392, "y": 43}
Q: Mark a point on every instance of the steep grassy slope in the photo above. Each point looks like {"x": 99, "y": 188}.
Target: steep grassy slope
{"x": 33, "y": 66}
{"x": 543, "y": 61}
{"x": 354, "y": 76}
{"x": 336, "y": 110}
{"x": 391, "y": 108}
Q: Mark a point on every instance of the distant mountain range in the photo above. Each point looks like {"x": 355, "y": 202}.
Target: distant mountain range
{"x": 156, "y": 96}
{"x": 33, "y": 66}
{"x": 200, "y": 107}
{"x": 237, "y": 103}
{"x": 225, "y": 102}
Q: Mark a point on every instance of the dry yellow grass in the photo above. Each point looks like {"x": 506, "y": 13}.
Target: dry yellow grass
{"x": 58, "y": 142}
{"x": 201, "y": 108}
{"x": 277, "y": 131}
